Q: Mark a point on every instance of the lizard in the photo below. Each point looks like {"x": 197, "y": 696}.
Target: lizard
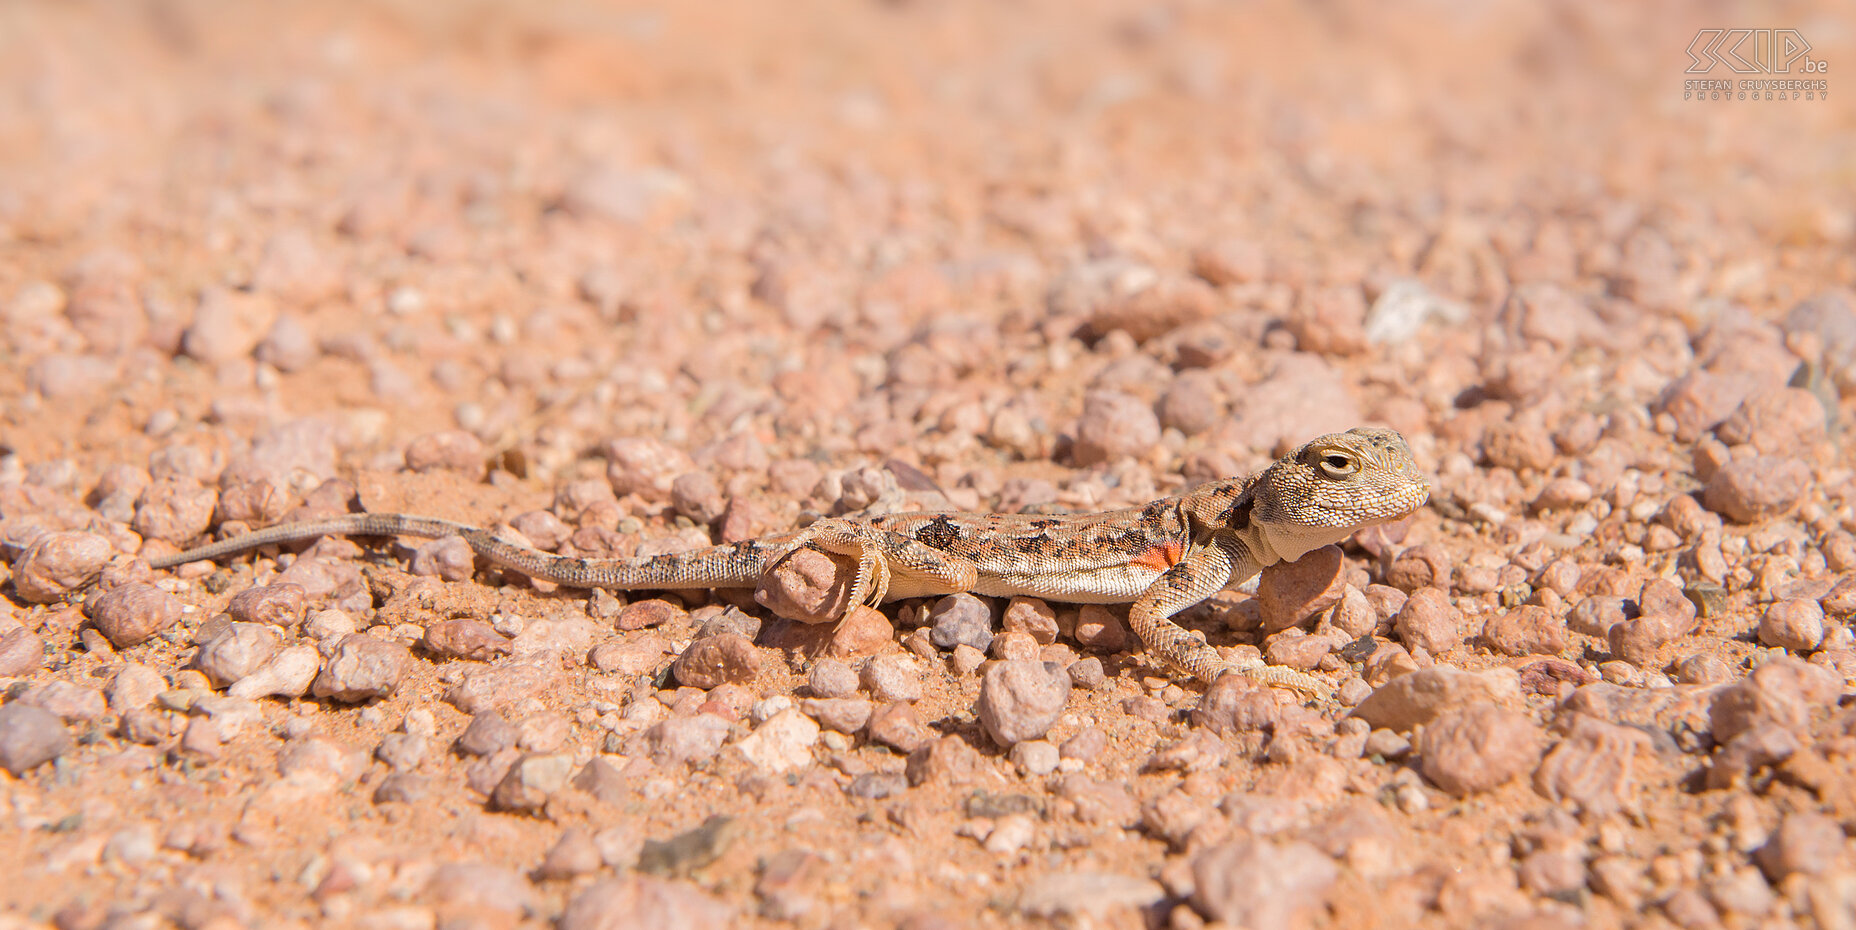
{"x": 1161, "y": 558}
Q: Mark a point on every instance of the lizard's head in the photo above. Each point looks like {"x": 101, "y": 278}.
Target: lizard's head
{"x": 1339, "y": 482}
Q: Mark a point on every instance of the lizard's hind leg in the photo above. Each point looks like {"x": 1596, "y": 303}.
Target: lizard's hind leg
{"x": 884, "y": 557}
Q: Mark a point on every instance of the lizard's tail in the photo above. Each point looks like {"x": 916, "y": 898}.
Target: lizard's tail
{"x": 737, "y": 565}
{"x": 354, "y": 524}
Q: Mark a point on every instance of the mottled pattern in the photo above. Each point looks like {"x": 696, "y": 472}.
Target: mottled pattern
{"x": 1162, "y": 557}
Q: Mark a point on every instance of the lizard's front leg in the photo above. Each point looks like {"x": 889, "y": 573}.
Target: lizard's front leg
{"x": 883, "y": 555}
{"x": 1204, "y": 571}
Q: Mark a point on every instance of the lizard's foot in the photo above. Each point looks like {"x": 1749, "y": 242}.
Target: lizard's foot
{"x": 1279, "y": 677}
{"x": 872, "y": 583}
{"x": 862, "y": 542}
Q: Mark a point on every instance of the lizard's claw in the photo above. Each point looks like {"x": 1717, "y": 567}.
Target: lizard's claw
{"x": 873, "y": 570}
{"x": 872, "y": 581}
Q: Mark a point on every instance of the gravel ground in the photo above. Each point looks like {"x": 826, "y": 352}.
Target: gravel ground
{"x": 632, "y": 279}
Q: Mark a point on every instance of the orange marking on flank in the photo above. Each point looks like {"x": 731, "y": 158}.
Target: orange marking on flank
{"x": 1161, "y": 557}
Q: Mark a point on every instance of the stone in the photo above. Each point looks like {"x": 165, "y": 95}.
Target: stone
{"x": 1700, "y": 401}
{"x": 634, "y": 656}
{"x": 696, "y": 495}
{"x": 1236, "y": 704}
{"x": 1593, "y": 767}
{"x": 1475, "y": 749}
{"x": 692, "y": 739}
{"x": 1429, "y": 621}
{"x": 1420, "y": 697}
{"x": 455, "y": 450}
{"x": 402, "y": 752}
{"x": 783, "y": 743}
{"x": 533, "y": 779}
{"x": 1640, "y": 640}
{"x": 1258, "y": 883}
{"x": 844, "y": 715}
{"x": 639, "y": 615}
{"x": 30, "y": 737}
{"x": 1067, "y": 896}
{"x": 363, "y": 668}
{"x": 831, "y": 678}
{"x": 131, "y": 614}
{"x": 464, "y": 638}
{"x": 602, "y": 779}
{"x": 1776, "y": 421}
{"x": 1114, "y": 425}
{"x": 1031, "y": 617}
{"x": 1418, "y": 567}
{"x": 1596, "y": 615}
{"x": 641, "y": 902}
{"x": 961, "y": 619}
{"x": 1525, "y": 630}
{"x": 56, "y": 564}
{"x": 450, "y": 558}
{"x": 1750, "y": 490}
{"x": 893, "y": 678}
{"x": 572, "y": 855}
{"x": 1795, "y": 624}
{"x": 22, "y": 652}
{"x": 645, "y": 467}
{"x": 288, "y": 674}
{"x": 237, "y": 650}
{"x": 1781, "y": 693}
{"x": 1021, "y": 699}
{"x": 488, "y": 734}
{"x": 899, "y": 727}
{"x": 280, "y": 605}
{"x": 1289, "y": 593}
{"x": 1806, "y": 843}
{"x": 1101, "y": 628}
{"x": 715, "y": 660}
{"x": 807, "y": 586}
{"x": 467, "y": 893}
{"x": 1519, "y": 446}
{"x": 863, "y": 632}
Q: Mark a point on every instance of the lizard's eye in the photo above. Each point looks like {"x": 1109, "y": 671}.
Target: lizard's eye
{"x": 1338, "y": 465}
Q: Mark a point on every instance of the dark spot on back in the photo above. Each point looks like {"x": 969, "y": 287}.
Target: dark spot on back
{"x": 1237, "y": 516}
{"x": 1030, "y": 544}
{"x": 939, "y": 533}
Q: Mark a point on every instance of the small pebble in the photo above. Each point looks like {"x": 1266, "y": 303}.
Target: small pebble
{"x": 363, "y": 668}
{"x": 236, "y": 651}
{"x": 30, "y": 737}
{"x": 457, "y": 450}
{"x": 962, "y": 619}
{"x": 280, "y": 605}
{"x": 1477, "y": 749}
{"x": 893, "y": 678}
{"x": 1797, "y": 625}
{"x": 1020, "y": 699}
{"x": 1429, "y": 621}
{"x": 715, "y": 660}
{"x": 131, "y": 614}
{"x": 57, "y": 564}
{"x": 831, "y": 678}
{"x": 1034, "y": 757}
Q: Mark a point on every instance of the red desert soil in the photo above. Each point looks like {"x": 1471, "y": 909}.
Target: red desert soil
{"x": 637, "y": 278}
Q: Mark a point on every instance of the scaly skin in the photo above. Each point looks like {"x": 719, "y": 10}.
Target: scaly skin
{"x": 1162, "y": 558}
